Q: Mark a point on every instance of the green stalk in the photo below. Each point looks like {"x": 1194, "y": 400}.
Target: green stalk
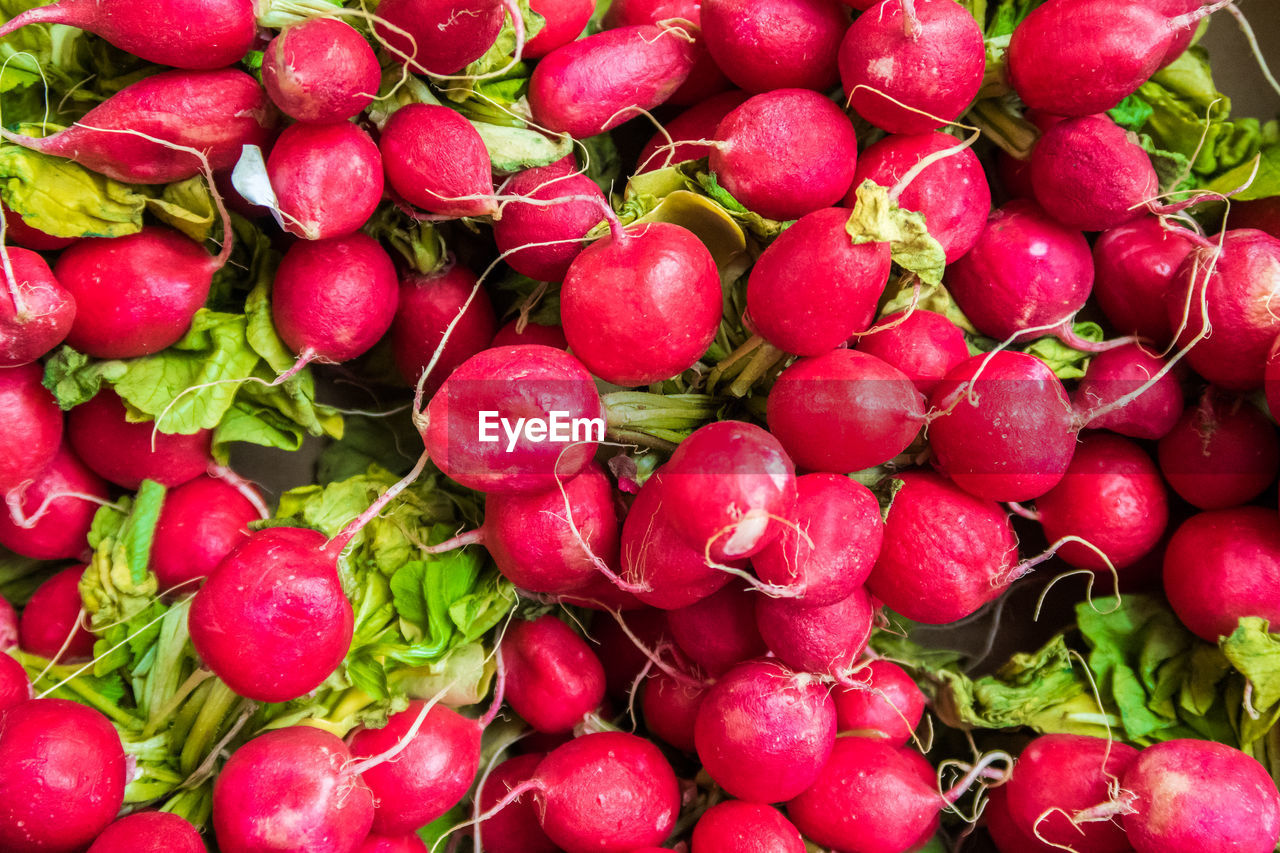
{"x": 208, "y": 723}
{"x": 1011, "y": 132}
{"x": 642, "y": 412}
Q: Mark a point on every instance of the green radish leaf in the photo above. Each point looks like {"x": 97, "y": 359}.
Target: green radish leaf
{"x": 62, "y": 198}
{"x": 1065, "y": 361}
{"x": 876, "y": 218}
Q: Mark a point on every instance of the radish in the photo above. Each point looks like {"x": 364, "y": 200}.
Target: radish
{"x": 1221, "y": 565}
{"x": 201, "y": 522}
{"x": 681, "y": 142}
{"x": 1221, "y": 453}
{"x": 718, "y": 632}
{"x": 59, "y": 506}
{"x": 515, "y": 828}
{"x": 785, "y": 153}
{"x": 511, "y": 335}
{"x": 374, "y": 843}
{"x": 763, "y": 732}
{"x": 36, "y": 314}
{"x": 1089, "y": 175}
{"x": 8, "y": 625}
{"x": 553, "y": 677}
{"x": 439, "y": 37}
{"x": 149, "y": 832}
{"x": 1014, "y": 172}
{"x": 18, "y": 232}
{"x": 51, "y": 625}
{"x": 1182, "y": 37}
{"x": 1007, "y": 836}
{"x": 1195, "y": 795}
{"x": 320, "y": 70}
{"x": 826, "y": 639}
{"x": 1134, "y": 268}
{"x": 813, "y": 287}
{"x": 428, "y": 303}
{"x": 327, "y": 178}
{"x": 927, "y": 56}
{"x": 775, "y": 44}
{"x": 737, "y": 827}
{"x": 62, "y": 776}
{"x": 705, "y": 79}
{"x": 1113, "y": 374}
{"x": 435, "y": 159}
{"x": 844, "y": 411}
{"x": 15, "y": 686}
{"x": 670, "y": 708}
{"x": 32, "y": 428}
{"x": 945, "y": 554}
{"x": 923, "y": 345}
{"x": 563, "y": 21}
{"x": 122, "y": 452}
{"x": 521, "y": 225}
{"x": 641, "y": 304}
{"x": 882, "y": 702}
{"x": 295, "y": 783}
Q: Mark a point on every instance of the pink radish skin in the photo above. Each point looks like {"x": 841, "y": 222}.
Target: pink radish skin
{"x": 844, "y": 411}
{"x": 952, "y": 193}
{"x": 52, "y": 615}
{"x": 785, "y": 153}
{"x": 1117, "y": 372}
{"x": 1195, "y": 795}
{"x": 934, "y": 65}
{"x": 446, "y": 35}
{"x": 719, "y": 632}
{"x": 46, "y": 313}
{"x": 564, "y": 21}
{"x": 641, "y": 304}
{"x": 922, "y": 345}
{"x": 706, "y": 79}
{"x": 33, "y": 426}
{"x": 427, "y": 305}
{"x": 534, "y": 333}
{"x": 120, "y": 452}
{"x": 62, "y": 776}
{"x": 826, "y": 639}
{"x": 763, "y": 731}
{"x": 843, "y": 532}
{"x": 320, "y": 70}
{"x": 201, "y": 522}
{"x": 813, "y": 288}
{"x": 61, "y": 531}
{"x": 553, "y": 677}
{"x": 697, "y": 122}
{"x": 515, "y": 828}
{"x": 327, "y": 178}
{"x": 1221, "y": 453}
{"x": 1221, "y": 565}
{"x": 18, "y": 233}
{"x": 670, "y": 709}
{"x": 15, "y": 686}
{"x": 1134, "y": 267}
{"x": 738, "y": 827}
{"x": 622, "y": 659}
{"x": 883, "y": 702}
{"x": 1088, "y": 174}
{"x": 149, "y": 832}
{"x": 1007, "y": 836}
{"x": 8, "y": 625}
{"x": 388, "y": 844}
{"x": 435, "y": 160}
{"x": 966, "y": 542}
{"x": 595, "y": 84}
{"x": 775, "y": 44}
{"x": 291, "y": 783}
{"x": 1181, "y": 37}
{"x": 524, "y": 224}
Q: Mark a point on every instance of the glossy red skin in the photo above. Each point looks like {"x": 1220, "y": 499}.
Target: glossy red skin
{"x": 564, "y": 22}
{"x": 826, "y": 639}
{"x": 871, "y": 797}
{"x": 1007, "y": 836}
{"x": 952, "y": 193}
{"x": 622, "y": 660}
{"x": 525, "y": 224}
{"x": 706, "y": 79}
{"x": 62, "y": 776}
{"x": 785, "y": 153}
{"x": 201, "y": 522}
{"x": 447, "y": 34}
{"x": 583, "y": 88}
{"x": 775, "y": 44}
{"x": 18, "y": 233}
{"x": 120, "y": 452}
{"x": 1221, "y": 565}
{"x": 844, "y": 411}
{"x": 1182, "y": 38}
{"x": 149, "y": 832}
{"x": 1087, "y": 174}
{"x": 427, "y": 305}
{"x": 697, "y": 122}
{"x": 924, "y": 346}
{"x": 1134, "y": 267}
{"x": 48, "y": 309}
{"x": 515, "y": 382}
{"x": 334, "y": 299}
{"x": 388, "y": 844}
{"x": 670, "y": 709}
{"x": 32, "y": 425}
{"x": 1120, "y": 371}
{"x": 272, "y": 620}
{"x": 291, "y": 783}
{"x": 842, "y": 532}
{"x": 435, "y": 160}
{"x": 1025, "y": 271}
{"x": 320, "y": 70}
{"x": 1221, "y": 453}
{"x": 53, "y": 614}
{"x": 15, "y": 686}
{"x": 813, "y": 288}
{"x": 327, "y": 178}
{"x": 554, "y": 679}
{"x": 1262, "y": 214}
{"x": 1245, "y": 281}
{"x": 134, "y": 295}
{"x": 883, "y": 703}
{"x": 534, "y": 333}
{"x": 939, "y": 72}
{"x": 642, "y": 306}
{"x": 428, "y": 777}
{"x": 967, "y": 543}
{"x": 62, "y": 531}
{"x": 719, "y": 632}
{"x": 514, "y": 829}
{"x": 737, "y": 827}
{"x": 216, "y": 112}
{"x": 9, "y": 625}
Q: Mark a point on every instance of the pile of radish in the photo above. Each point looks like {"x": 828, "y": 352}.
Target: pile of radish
{"x": 691, "y": 394}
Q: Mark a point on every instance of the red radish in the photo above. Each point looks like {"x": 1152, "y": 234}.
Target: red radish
{"x": 201, "y": 522}
{"x": 515, "y": 828}
{"x": 641, "y": 304}
{"x": 813, "y": 287}
{"x": 965, "y": 545}
{"x": 62, "y": 502}
{"x": 699, "y": 122}
{"x": 388, "y": 844}
{"x": 326, "y": 177}
{"x": 844, "y": 411}
{"x": 553, "y": 677}
{"x": 15, "y": 686}
{"x": 1221, "y": 453}
{"x": 439, "y": 36}
{"x": 826, "y": 639}
{"x": 1134, "y": 268}
{"x": 320, "y": 70}
{"x": 706, "y": 79}
{"x": 36, "y": 313}
{"x": 737, "y": 827}
{"x": 512, "y": 386}
{"x": 1089, "y": 175}
{"x": 785, "y": 153}
{"x": 1112, "y": 375}
{"x": 775, "y": 44}
{"x": 121, "y": 452}
{"x": 520, "y": 225}
{"x": 622, "y": 657}
{"x": 428, "y": 304}
{"x": 214, "y": 112}
{"x": 1014, "y": 173}
{"x": 52, "y": 625}
{"x": 1221, "y": 565}
{"x": 62, "y": 776}
{"x": 1006, "y": 835}
{"x": 670, "y": 709}
{"x": 882, "y": 702}
{"x": 533, "y": 333}
{"x": 1183, "y": 36}
{"x": 32, "y": 427}
{"x": 17, "y": 232}
{"x": 435, "y": 160}
{"x": 778, "y": 753}
{"x": 563, "y": 21}
{"x": 921, "y": 344}
{"x": 1026, "y": 272}
{"x": 719, "y": 632}
{"x": 149, "y": 832}
{"x": 8, "y": 625}
{"x": 294, "y": 783}
{"x": 589, "y": 86}
{"x": 928, "y": 56}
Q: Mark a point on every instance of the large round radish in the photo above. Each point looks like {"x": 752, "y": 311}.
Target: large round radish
{"x": 201, "y": 522}
{"x": 32, "y": 426}
{"x": 699, "y": 122}
{"x": 428, "y": 304}
{"x": 438, "y": 36}
{"x": 320, "y": 70}
{"x": 435, "y": 160}
{"x": 52, "y": 624}
{"x": 719, "y": 632}
{"x": 149, "y": 832}
{"x": 826, "y": 639}
{"x": 737, "y": 827}
{"x": 1118, "y": 372}
{"x": 563, "y": 21}
{"x": 705, "y": 79}
{"x": 881, "y": 702}
{"x": 15, "y": 686}
{"x": 327, "y": 178}
{"x": 121, "y": 452}
{"x": 554, "y": 679}
{"x": 61, "y": 503}
{"x": 40, "y": 315}
{"x": 921, "y": 344}
{"x": 567, "y": 219}
{"x": 1088, "y": 174}
{"x": 1221, "y": 453}
{"x": 514, "y": 828}
{"x": 670, "y": 706}
{"x": 1134, "y": 268}
{"x": 775, "y": 44}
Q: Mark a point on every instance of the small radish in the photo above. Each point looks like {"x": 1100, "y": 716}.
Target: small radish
{"x": 515, "y": 828}
{"x": 36, "y": 311}
{"x": 553, "y": 677}
{"x": 826, "y": 639}
{"x": 149, "y": 832}
{"x": 439, "y": 36}
{"x": 511, "y": 335}
{"x": 8, "y": 625}
{"x": 670, "y": 706}
{"x": 1111, "y": 376}
{"x": 52, "y": 624}
{"x": 881, "y": 702}
{"x": 921, "y": 344}
{"x": 563, "y": 21}
{"x": 1134, "y": 268}
{"x": 15, "y": 686}
{"x": 320, "y": 70}
{"x": 428, "y": 304}
{"x": 738, "y": 827}
{"x": 17, "y": 232}
{"x": 775, "y": 44}
{"x": 327, "y": 178}
{"x": 705, "y": 79}
{"x": 927, "y": 55}
{"x": 520, "y": 225}
{"x": 719, "y": 632}
{"x": 436, "y": 160}
{"x": 201, "y": 522}
{"x": 32, "y": 428}
{"x": 699, "y": 122}
{"x": 121, "y": 452}
{"x": 1222, "y": 452}
{"x": 59, "y": 506}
